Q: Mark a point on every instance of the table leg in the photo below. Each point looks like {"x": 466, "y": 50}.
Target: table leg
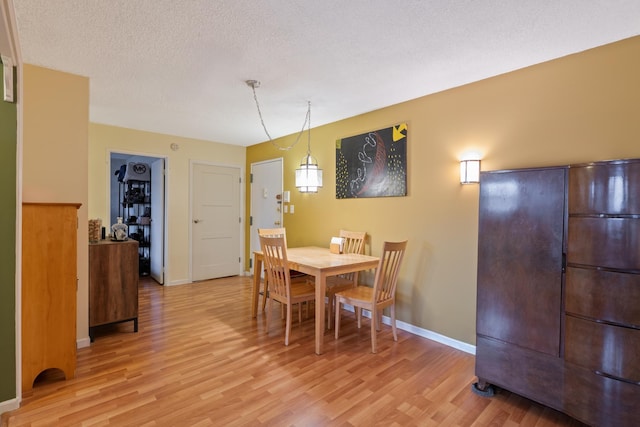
{"x": 321, "y": 284}
{"x": 255, "y": 292}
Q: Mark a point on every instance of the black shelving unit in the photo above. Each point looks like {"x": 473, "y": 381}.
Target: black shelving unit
{"x": 135, "y": 210}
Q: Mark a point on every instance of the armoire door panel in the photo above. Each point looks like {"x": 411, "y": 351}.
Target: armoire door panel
{"x": 521, "y": 224}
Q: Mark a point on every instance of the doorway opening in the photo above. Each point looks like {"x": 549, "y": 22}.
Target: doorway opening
{"x": 139, "y": 199}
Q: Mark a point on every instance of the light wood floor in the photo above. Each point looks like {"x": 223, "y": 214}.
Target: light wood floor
{"x": 199, "y": 359}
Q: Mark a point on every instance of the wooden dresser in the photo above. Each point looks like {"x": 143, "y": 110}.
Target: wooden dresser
{"x": 49, "y": 287}
{"x": 113, "y": 283}
{"x": 558, "y": 316}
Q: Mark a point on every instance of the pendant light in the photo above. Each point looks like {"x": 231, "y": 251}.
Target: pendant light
{"x": 308, "y": 175}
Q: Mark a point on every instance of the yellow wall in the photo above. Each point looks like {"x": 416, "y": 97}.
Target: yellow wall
{"x": 104, "y": 139}
{"x": 54, "y": 166}
{"x": 580, "y": 108}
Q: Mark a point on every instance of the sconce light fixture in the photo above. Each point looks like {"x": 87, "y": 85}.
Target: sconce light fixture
{"x": 469, "y": 171}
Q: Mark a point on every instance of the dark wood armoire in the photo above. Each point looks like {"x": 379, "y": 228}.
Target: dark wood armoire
{"x": 558, "y": 303}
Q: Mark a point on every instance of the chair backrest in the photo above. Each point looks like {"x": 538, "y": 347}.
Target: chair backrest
{"x": 274, "y": 252}
{"x": 272, "y": 232}
{"x": 386, "y": 279}
{"x": 353, "y": 244}
{"x": 353, "y": 241}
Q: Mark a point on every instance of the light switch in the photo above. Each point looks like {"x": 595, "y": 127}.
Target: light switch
{"x": 286, "y": 209}
{"x": 291, "y": 209}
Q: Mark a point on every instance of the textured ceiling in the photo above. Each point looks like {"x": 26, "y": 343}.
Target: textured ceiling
{"x": 179, "y": 67}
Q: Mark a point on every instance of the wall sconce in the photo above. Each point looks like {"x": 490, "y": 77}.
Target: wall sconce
{"x": 469, "y": 171}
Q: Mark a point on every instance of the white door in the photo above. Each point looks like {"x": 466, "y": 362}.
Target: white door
{"x": 156, "y": 251}
{"x": 266, "y": 211}
{"x": 215, "y": 227}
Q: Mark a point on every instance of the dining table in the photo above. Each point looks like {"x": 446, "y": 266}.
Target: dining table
{"x": 318, "y": 262}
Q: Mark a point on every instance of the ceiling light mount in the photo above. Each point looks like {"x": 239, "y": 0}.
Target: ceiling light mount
{"x": 253, "y": 84}
{"x": 308, "y": 175}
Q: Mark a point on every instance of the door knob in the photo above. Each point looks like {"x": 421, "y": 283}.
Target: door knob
{"x": 197, "y": 220}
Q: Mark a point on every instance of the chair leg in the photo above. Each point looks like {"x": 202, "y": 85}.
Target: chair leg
{"x": 300, "y": 312}
{"x": 393, "y": 321}
{"x": 330, "y": 307}
{"x": 266, "y": 292}
{"x": 288, "y": 324}
{"x": 374, "y": 343}
{"x": 337, "y": 323}
{"x": 269, "y": 310}
{"x": 358, "y": 315}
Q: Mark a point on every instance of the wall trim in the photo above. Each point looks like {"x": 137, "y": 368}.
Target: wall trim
{"x": 421, "y": 332}
{"x": 9, "y": 405}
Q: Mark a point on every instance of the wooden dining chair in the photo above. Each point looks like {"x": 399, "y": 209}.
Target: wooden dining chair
{"x": 295, "y": 275}
{"x": 281, "y": 288}
{"x": 376, "y": 298}
{"x": 353, "y": 244}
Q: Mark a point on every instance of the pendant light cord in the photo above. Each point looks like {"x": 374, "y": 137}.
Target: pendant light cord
{"x": 307, "y": 120}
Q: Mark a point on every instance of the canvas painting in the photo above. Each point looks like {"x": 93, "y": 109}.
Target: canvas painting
{"x": 373, "y": 164}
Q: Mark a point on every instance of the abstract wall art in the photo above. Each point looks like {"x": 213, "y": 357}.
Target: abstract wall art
{"x": 373, "y": 164}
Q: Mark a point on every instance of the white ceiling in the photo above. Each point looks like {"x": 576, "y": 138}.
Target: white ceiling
{"x": 179, "y": 67}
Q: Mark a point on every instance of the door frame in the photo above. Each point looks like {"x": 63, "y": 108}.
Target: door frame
{"x": 252, "y": 226}
{"x": 241, "y": 223}
{"x": 165, "y": 234}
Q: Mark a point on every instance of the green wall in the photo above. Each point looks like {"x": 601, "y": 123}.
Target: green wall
{"x": 8, "y": 125}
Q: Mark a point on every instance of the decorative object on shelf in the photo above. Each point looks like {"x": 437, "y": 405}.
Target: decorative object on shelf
{"x": 470, "y": 171}
{"x": 137, "y": 172}
{"x": 95, "y": 228}
{"x": 372, "y": 164}
{"x": 119, "y": 230}
{"x": 308, "y": 175}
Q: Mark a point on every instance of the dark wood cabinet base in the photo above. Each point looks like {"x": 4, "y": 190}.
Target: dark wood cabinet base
{"x": 583, "y": 394}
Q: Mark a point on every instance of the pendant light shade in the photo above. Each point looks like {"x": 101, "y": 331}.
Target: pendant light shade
{"x": 308, "y": 175}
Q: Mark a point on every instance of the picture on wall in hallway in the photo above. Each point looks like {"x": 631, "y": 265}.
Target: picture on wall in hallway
{"x": 373, "y": 164}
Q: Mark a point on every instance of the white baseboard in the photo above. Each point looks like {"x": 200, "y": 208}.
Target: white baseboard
{"x": 424, "y": 333}
{"x": 83, "y": 342}
{"x": 9, "y": 405}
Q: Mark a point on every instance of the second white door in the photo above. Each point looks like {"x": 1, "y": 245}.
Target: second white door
{"x": 215, "y": 235}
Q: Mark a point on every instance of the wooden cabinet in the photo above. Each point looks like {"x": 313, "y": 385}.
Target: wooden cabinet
{"x": 49, "y": 286}
{"x": 559, "y": 288}
{"x": 519, "y": 301}
{"x": 113, "y": 283}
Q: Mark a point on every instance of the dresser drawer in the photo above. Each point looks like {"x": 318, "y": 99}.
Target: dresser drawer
{"x": 604, "y": 242}
{"x": 603, "y": 295}
{"x": 611, "y": 350}
{"x": 609, "y": 188}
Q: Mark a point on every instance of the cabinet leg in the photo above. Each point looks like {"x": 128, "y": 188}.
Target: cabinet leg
{"x": 483, "y": 388}
{"x": 135, "y": 325}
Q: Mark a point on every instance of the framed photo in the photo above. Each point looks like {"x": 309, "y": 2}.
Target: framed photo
{"x": 373, "y": 164}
